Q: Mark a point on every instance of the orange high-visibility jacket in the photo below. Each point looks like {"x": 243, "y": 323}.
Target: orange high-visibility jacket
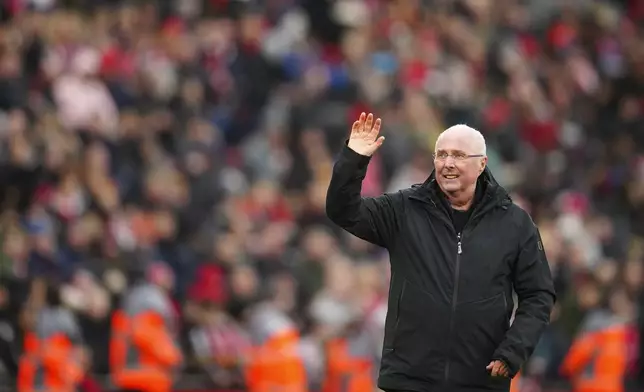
{"x": 597, "y": 359}
{"x": 276, "y": 365}
{"x": 51, "y": 359}
{"x": 143, "y": 351}
{"x": 348, "y": 369}
{"x": 514, "y": 384}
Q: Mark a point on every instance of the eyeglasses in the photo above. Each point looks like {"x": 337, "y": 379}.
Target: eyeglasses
{"x": 458, "y": 155}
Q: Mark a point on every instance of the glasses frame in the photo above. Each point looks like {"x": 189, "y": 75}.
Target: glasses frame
{"x": 459, "y": 158}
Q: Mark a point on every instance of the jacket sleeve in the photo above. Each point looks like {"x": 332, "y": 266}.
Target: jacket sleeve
{"x": 533, "y": 284}
{"x": 150, "y": 335}
{"x": 373, "y": 219}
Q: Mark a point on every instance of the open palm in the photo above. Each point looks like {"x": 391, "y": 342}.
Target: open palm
{"x": 364, "y": 135}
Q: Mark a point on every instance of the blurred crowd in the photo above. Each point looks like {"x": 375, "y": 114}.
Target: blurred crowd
{"x": 200, "y": 135}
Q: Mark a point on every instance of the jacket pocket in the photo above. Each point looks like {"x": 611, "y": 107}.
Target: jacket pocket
{"x": 479, "y": 329}
{"x": 507, "y": 309}
{"x": 417, "y": 346}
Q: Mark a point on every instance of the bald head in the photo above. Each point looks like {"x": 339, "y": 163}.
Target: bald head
{"x": 460, "y": 157}
{"x": 470, "y": 136}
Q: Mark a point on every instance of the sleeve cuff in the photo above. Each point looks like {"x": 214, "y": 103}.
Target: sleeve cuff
{"x": 513, "y": 364}
{"x": 354, "y": 157}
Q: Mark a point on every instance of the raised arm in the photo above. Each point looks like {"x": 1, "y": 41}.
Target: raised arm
{"x": 374, "y": 219}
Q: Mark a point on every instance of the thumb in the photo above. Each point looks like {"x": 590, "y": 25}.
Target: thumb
{"x": 488, "y": 367}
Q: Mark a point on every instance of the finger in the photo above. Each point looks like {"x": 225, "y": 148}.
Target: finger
{"x": 376, "y": 129}
{"x": 498, "y": 368}
{"x": 490, "y": 365}
{"x": 363, "y": 116}
{"x": 494, "y": 369}
{"x": 369, "y": 124}
{"x": 505, "y": 368}
{"x": 355, "y": 128}
{"x": 379, "y": 142}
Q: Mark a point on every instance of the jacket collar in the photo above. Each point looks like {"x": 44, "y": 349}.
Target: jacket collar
{"x": 493, "y": 193}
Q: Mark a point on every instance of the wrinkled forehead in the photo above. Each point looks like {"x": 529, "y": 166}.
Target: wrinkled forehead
{"x": 456, "y": 141}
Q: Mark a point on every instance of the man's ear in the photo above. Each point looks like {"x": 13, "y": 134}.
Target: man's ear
{"x": 483, "y": 164}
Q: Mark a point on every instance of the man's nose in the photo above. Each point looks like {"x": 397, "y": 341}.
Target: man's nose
{"x": 450, "y": 161}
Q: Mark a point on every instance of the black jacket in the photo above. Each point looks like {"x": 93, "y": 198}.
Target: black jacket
{"x": 450, "y": 299}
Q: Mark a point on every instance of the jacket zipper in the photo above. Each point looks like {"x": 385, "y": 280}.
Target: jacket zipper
{"x": 457, "y": 270}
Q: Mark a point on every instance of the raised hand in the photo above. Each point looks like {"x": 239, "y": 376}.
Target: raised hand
{"x": 364, "y": 135}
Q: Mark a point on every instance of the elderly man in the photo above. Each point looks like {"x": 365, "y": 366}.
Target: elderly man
{"x": 458, "y": 247}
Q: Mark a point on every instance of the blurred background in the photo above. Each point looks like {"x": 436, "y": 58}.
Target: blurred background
{"x": 199, "y": 135}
